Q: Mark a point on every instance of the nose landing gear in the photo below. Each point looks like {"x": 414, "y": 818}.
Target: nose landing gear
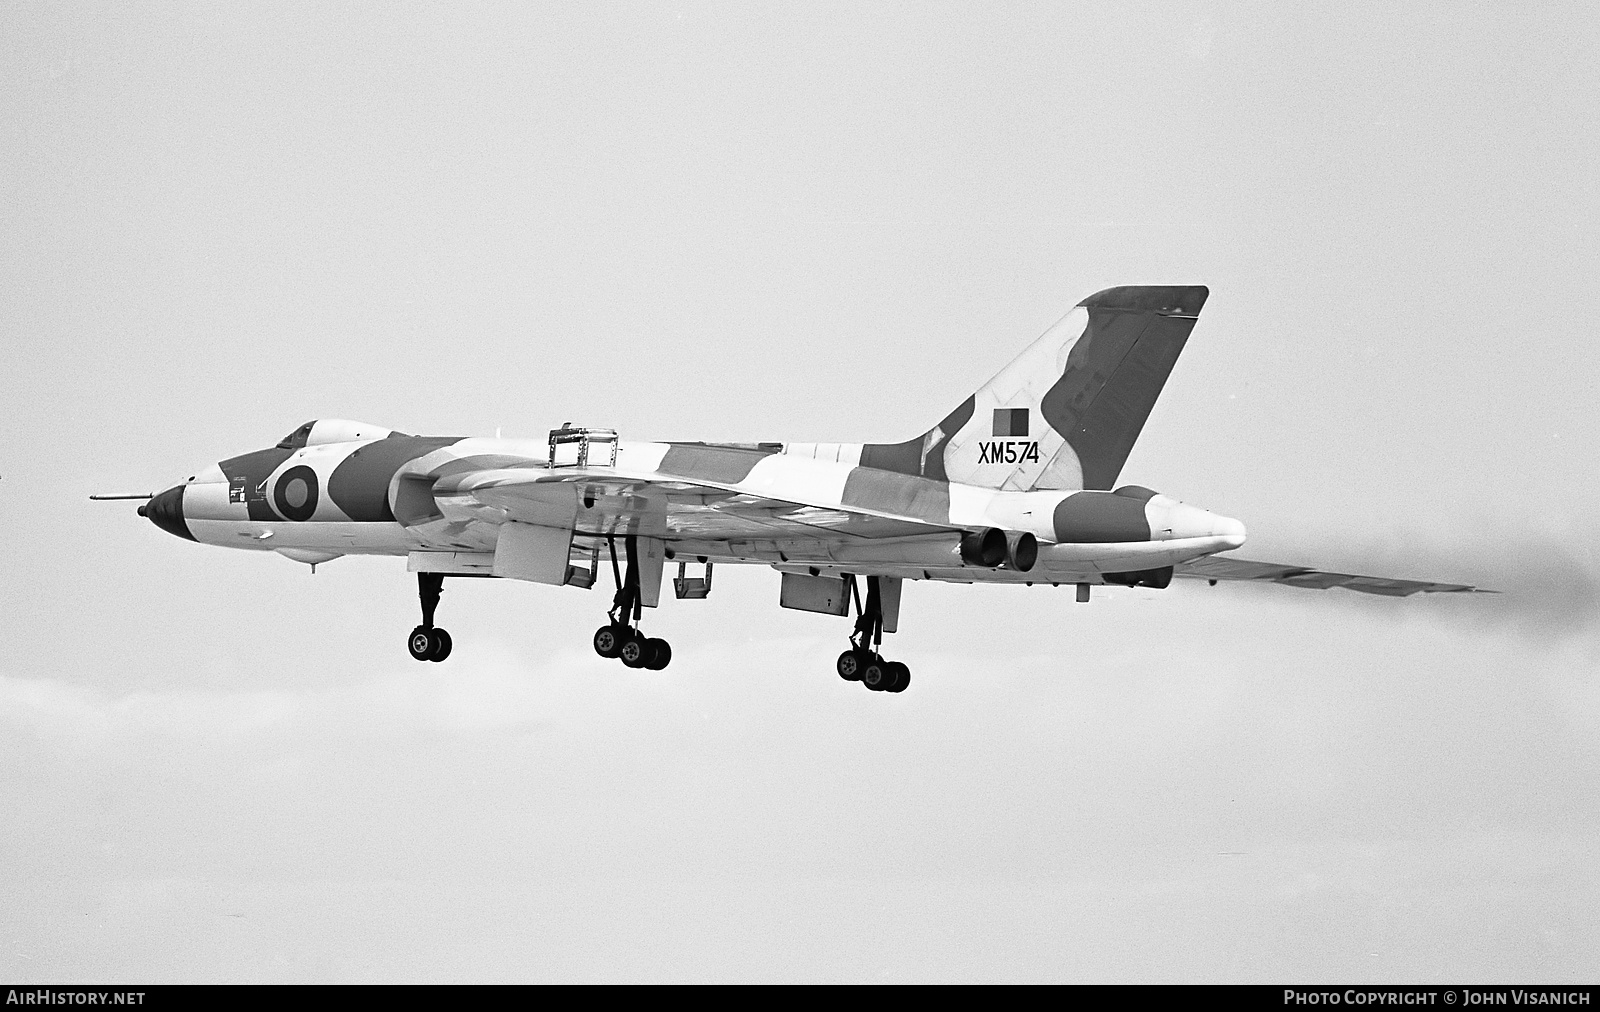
{"x": 620, "y": 638}
{"x": 862, "y": 662}
{"x": 428, "y": 642}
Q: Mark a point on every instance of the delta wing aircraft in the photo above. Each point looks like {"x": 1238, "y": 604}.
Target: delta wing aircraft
{"x": 1017, "y": 485}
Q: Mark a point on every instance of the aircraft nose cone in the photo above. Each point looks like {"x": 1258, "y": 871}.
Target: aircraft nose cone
{"x": 165, "y": 510}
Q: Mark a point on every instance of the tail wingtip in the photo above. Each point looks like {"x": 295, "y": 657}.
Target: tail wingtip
{"x": 1171, "y": 300}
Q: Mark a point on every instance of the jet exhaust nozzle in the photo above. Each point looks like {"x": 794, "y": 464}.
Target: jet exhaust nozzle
{"x": 994, "y": 548}
{"x": 984, "y": 548}
{"x": 1022, "y": 551}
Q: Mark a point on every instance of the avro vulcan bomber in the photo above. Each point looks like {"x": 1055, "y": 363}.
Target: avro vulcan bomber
{"x": 1016, "y": 485}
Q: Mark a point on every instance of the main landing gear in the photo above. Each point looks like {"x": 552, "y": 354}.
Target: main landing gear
{"x": 862, "y": 662}
{"x": 621, "y": 638}
{"x": 428, "y": 642}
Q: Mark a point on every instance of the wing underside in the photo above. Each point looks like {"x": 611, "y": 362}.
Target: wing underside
{"x": 1221, "y": 568}
{"x": 782, "y": 531}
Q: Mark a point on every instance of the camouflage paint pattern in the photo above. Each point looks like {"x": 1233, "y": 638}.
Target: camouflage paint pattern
{"x": 359, "y": 486}
{"x": 1022, "y": 454}
{"x": 1035, "y": 450}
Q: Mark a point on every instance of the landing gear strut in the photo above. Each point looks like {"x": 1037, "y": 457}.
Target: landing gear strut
{"x": 428, "y": 642}
{"x": 862, "y": 662}
{"x": 621, "y": 638}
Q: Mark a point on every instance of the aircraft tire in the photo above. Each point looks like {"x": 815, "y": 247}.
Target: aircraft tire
{"x": 441, "y": 645}
{"x": 875, "y": 674}
{"x": 849, "y": 665}
{"x": 420, "y": 643}
{"x": 608, "y": 640}
{"x": 899, "y": 677}
{"x": 660, "y": 654}
{"x": 636, "y": 652}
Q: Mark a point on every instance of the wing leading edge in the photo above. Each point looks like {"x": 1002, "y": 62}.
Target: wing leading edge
{"x": 1217, "y": 568}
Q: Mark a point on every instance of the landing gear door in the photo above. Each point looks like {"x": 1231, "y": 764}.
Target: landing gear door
{"x": 889, "y": 599}
{"x": 825, "y": 595}
{"x": 652, "y": 564}
{"x": 534, "y": 553}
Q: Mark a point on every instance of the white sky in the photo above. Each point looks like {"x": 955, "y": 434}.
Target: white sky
{"x": 830, "y": 223}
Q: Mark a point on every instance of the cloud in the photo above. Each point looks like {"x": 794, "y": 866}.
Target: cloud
{"x": 1201, "y": 36}
{"x": 495, "y": 692}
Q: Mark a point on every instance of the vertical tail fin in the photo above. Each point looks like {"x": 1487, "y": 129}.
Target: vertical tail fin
{"x": 1066, "y": 412}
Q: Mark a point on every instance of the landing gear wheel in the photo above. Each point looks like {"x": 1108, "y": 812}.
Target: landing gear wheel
{"x": 636, "y": 653}
{"x": 427, "y": 641}
{"x": 875, "y": 674}
{"x": 899, "y": 677}
{"x": 660, "y": 654}
{"x": 421, "y": 643}
{"x": 608, "y": 640}
{"x": 850, "y": 664}
{"x": 441, "y": 645}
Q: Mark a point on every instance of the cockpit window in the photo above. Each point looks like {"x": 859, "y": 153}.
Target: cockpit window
{"x": 296, "y": 439}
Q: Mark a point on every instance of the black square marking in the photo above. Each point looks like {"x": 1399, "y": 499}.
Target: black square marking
{"x": 1010, "y": 421}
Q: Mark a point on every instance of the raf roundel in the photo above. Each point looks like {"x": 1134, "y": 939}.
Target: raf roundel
{"x": 295, "y": 494}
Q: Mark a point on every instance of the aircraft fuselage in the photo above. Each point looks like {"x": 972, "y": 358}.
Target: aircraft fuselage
{"x": 365, "y": 496}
